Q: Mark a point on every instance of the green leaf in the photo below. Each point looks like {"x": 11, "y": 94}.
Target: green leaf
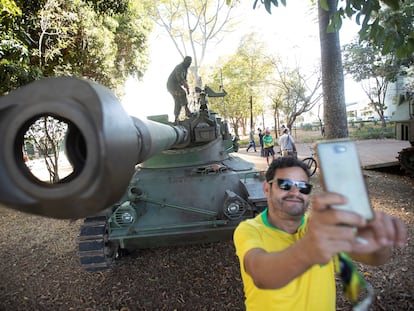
{"x": 324, "y": 5}
{"x": 357, "y": 5}
{"x": 388, "y": 44}
{"x": 330, "y": 28}
{"x": 275, "y": 3}
{"x": 349, "y": 11}
{"x": 410, "y": 44}
{"x": 358, "y": 18}
{"x": 393, "y": 4}
{"x": 401, "y": 52}
{"x": 268, "y": 6}
{"x": 335, "y": 22}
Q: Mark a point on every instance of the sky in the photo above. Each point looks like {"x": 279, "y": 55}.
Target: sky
{"x": 291, "y": 32}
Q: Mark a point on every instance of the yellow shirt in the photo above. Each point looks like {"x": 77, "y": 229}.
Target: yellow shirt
{"x": 313, "y": 290}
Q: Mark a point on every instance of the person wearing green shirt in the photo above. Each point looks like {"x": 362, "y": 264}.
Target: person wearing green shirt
{"x": 268, "y": 144}
{"x": 287, "y": 253}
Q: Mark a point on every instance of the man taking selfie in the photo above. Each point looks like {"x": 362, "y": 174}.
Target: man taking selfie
{"x": 287, "y": 253}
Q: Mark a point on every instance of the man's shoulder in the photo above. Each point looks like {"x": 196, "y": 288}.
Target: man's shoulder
{"x": 252, "y": 222}
{"x": 249, "y": 228}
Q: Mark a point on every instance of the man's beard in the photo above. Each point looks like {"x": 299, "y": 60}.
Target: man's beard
{"x": 293, "y": 209}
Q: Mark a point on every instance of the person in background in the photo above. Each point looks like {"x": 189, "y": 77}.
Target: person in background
{"x": 282, "y": 129}
{"x": 175, "y": 83}
{"x": 287, "y": 144}
{"x": 268, "y": 145}
{"x": 287, "y": 254}
{"x": 261, "y": 141}
{"x": 251, "y": 142}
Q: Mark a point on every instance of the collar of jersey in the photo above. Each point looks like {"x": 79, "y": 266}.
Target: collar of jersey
{"x": 266, "y": 222}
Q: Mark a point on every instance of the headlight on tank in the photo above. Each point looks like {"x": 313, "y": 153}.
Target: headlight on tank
{"x": 234, "y": 206}
{"x": 124, "y": 215}
{"x": 127, "y": 218}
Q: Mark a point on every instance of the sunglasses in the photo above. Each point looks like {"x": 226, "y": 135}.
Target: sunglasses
{"x": 287, "y": 184}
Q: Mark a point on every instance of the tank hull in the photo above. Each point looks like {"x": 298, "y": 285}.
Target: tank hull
{"x": 194, "y": 204}
{"x": 139, "y": 183}
{"x": 405, "y": 131}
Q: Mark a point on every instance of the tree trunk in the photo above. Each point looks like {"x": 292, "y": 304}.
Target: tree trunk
{"x": 332, "y": 77}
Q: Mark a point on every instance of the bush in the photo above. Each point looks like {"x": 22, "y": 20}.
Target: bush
{"x": 306, "y": 127}
{"x": 373, "y": 133}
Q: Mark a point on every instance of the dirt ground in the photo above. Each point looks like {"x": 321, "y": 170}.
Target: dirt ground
{"x": 39, "y": 266}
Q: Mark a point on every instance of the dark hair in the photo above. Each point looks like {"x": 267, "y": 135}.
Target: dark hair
{"x": 285, "y": 162}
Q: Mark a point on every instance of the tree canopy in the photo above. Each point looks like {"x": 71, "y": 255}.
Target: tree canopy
{"x": 244, "y": 75}
{"x": 388, "y": 34}
{"x": 105, "y": 41}
{"x": 294, "y": 92}
{"x": 380, "y": 32}
{"x": 192, "y": 26}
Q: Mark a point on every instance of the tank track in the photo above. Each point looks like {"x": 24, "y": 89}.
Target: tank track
{"x": 96, "y": 252}
{"x": 406, "y": 160}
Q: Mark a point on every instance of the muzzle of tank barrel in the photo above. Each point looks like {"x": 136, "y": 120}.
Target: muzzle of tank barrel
{"x": 103, "y": 144}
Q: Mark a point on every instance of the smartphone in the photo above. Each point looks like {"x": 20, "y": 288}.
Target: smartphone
{"x": 340, "y": 171}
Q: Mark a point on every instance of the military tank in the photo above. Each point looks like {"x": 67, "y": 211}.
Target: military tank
{"x": 139, "y": 183}
{"x": 404, "y": 130}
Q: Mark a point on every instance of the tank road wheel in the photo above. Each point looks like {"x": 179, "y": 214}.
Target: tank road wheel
{"x": 96, "y": 252}
{"x": 406, "y": 159}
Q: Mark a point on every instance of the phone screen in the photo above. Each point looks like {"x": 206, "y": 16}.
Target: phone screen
{"x": 341, "y": 172}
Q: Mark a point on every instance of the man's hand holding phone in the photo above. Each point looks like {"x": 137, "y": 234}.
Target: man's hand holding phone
{"x": 332, "y": 231}
{"x": 375, "y": 233}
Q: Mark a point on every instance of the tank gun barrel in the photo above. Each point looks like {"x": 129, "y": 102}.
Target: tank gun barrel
{"x": 103, "y": 144}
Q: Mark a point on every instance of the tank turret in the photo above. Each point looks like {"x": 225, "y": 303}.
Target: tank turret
{"x": 139, "y": 183}
{"x": 404, "y": 130}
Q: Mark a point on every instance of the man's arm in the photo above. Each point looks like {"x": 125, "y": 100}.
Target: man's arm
{"x": 185, "y": 84}
{"x": 329, "y": 232}
{"x": 180, "y": 76}
{"x": 323, "y": 239}
{"x": 275, "y": 270}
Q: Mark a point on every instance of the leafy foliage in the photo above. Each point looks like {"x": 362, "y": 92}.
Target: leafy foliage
{"x": 105, "y": 41}
{"x": 364, "y": 60}
{"x": 15, "y": 66}
{"x": 192, "y": 26}
{"x": 396, "y": 33}
{"x": 365, "y": 63}
{"x": 294, "y": 93}
{"x": 109, "y": 6}
{"x": 245, "y": 74}
{"x": 373, "y": 133}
